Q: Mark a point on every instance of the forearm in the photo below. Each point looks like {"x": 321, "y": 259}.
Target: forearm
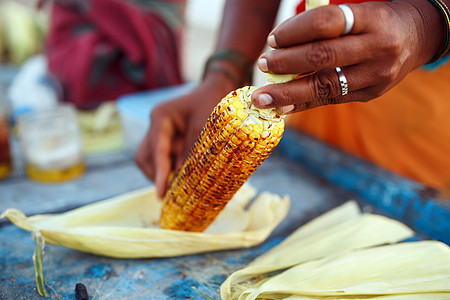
{"x": 244, "y": 28}
{"x": 246, "y": 24}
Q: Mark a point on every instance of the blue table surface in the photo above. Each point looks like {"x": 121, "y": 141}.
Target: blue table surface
{"x": 315, "y": 176}
{"x": 170, "y": 278}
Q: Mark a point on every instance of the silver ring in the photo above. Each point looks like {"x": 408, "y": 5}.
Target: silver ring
{"x": 349, "y": 18}
{"x": 342, "y": 81}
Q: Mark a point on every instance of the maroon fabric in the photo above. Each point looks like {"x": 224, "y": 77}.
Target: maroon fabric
{"x": 101, "y": 49}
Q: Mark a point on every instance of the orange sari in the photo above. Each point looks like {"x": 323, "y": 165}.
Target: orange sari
{"x": 407, "y": 130}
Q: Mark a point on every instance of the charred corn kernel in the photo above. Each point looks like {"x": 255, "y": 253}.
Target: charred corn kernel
{"x": 236, "y": 122}
{"x": 241, "y": 135}
{"x": 233, "y": 143}
{"x": 254, "y": 136}
{"x": 247, "y": 129}
{"x": 228, "y": 129}
{"x": 236, "y": 141}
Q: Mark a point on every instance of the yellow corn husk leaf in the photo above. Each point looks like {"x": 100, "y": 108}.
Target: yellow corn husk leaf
{"x": 127, "y": 226}
{"x": 311, "y": 4}
{"x": 38, "y": 258}
{"x": 337, "y": 231}
{"x": 101, "y": 129}
{"x": 279, "y": 78}
{"x": 399, "y": 269}
{"x": 429, "y": 296}
{"x": 21, "y": 37}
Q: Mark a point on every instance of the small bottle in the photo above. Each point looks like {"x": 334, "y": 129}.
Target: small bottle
{"x": 51, "y": 144}
{"x": 5, "y": 154}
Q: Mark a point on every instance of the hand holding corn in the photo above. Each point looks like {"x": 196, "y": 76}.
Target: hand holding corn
{"x": 386, "y": 42}
{"x": 175, "y": 125}
{"x": 235, "y": 140}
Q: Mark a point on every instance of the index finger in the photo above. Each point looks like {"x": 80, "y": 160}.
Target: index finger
{"x": 325, "y": 22}
{"x": 162, "y": 156}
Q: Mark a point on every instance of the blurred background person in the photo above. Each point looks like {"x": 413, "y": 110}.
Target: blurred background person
{"x": 101, "y": 49}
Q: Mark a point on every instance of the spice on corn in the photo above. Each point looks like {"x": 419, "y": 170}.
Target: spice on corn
{"x": 233, "y": 143}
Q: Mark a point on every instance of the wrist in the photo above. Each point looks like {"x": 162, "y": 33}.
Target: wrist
{"x": 233, "y": 64}
{"x": 219, "y": 82}
{"x": 444, "y": 11}
{"x": 431, "y": 27}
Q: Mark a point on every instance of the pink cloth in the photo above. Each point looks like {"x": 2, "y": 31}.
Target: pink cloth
{"x": 101, "y": 49}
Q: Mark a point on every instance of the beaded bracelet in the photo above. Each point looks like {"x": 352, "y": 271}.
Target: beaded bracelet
{"x": 235, "y": 57}
{"x": 446, "y": 14}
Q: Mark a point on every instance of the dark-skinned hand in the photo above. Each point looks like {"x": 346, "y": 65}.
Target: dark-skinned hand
{"x": 174, "y": 127}
{"x": 387, "y": 41}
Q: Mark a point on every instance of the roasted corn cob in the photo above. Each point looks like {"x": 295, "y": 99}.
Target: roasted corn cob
{"x": 233, "y": 143}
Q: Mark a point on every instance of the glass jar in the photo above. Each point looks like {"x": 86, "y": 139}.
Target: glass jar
{"x": 51, "y": 144}
{"x": 5, "y": 154}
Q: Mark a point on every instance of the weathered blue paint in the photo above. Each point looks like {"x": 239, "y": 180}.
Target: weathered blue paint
{"x": 169, "y": 278}
{"x": 400, "y": 198}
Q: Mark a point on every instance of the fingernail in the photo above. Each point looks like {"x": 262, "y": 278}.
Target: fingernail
{"x": 271, "y": 41}
{"x": 285, "y": 109}
{"x": 264, "y": 99}
{"x": 262, "y": 64}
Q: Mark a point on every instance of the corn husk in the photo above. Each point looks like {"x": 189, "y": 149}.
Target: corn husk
{"x": 101, "y": 129}
{"x": 403, "y": 269}
{"x": 38, "y": 258}
{"x": 127, "y": 226}
{"x": 429, "y": 296}
{"x": 339, "y": 255}
{"x": 311, "y": 4}
{"x": 20, "y": 39}
{"x": 340, "y": 230}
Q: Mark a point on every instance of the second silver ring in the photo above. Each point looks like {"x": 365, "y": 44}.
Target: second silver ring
{"x": 342, "y": 81}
